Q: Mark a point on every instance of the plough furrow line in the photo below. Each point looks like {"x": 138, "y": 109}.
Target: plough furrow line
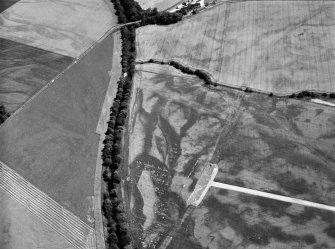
{"x": 27, "y": 185}
{"x": 26, "y": 198}
{"x": 51, "y": 220}
{"x": 31, "y": 190}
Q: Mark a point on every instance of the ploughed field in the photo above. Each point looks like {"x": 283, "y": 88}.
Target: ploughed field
{"x": 177, "y": 125}
{"x": 272, "y": 46}
{"x": 21, "y": 229}
{"x": 52, "y": 141}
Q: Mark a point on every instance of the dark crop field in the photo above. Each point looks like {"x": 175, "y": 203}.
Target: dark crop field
{"x": 5, "y": 4}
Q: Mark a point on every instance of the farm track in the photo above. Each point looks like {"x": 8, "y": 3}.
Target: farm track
{"x": 232, "y": 120}
{"x": 62, "y": 221}
{"x": 176, "y": 228}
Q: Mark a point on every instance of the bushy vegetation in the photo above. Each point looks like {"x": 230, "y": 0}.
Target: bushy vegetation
{"x": 201, "y": 74}
{"x": 3, "y": 114}
{"x": 182, "y": 68}
{"x": 163, "y": 18}
{"x": 188, "y": 8}
{"x": 204, "y": 76}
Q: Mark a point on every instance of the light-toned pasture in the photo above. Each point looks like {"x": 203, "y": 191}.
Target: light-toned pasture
{"x": 275, "y": 46}
{"x": 67, "y": 27}
{"x": 159, "y": 4}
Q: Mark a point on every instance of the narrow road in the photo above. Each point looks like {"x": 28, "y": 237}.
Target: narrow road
{"x": 273, "y": 196}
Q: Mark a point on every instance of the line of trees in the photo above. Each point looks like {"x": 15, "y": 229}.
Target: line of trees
{"x": 310, "y": 94}
{"x": 115, "y": 222}
{"x": 201, "y": 74}
{"x": 3, "y": 114}
{"x": 131, "y": 11}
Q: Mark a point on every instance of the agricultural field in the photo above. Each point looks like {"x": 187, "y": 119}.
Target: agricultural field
{"x": 159, "y": 4}
{"x": 277, "y": 145}
{"x": 67, "y": 27}
{"x": 25, "y": 70}
{"x": 227, "y": 219}
{"x": 271, "y": 46}
{"x": 5, "y": 4}
{"x": 281, "y": 146}
{"x": 20, "y": 229}
{"x": 53, "y": 143}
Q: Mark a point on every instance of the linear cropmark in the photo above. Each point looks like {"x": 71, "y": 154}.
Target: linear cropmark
{"x": 65, "y": 223}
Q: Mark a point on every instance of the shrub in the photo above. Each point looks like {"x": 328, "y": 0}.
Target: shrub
{"x": 3, "y": 114}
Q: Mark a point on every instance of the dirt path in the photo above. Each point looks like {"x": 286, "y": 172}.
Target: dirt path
{"x": 322, "y": 102}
